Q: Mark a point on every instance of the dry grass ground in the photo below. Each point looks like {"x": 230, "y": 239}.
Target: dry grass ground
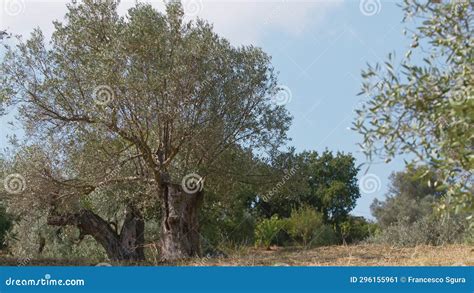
{"x": 351, "y": 255}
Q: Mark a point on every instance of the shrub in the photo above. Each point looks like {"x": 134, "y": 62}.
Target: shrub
{"x": 407, "y": 218}
{"x": 267, "y": 230}
{"x": 324, "y": 236}
{"x": 226, "y": 222}
{"x": 356, "y": 229}
{"x": 428, "y": 230}
{"x": 303, "y": 223}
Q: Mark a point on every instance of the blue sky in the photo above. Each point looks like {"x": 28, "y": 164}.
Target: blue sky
{"x": 318, "y": 47}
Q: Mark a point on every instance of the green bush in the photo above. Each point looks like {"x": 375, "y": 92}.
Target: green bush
{"x": 266, "y": 231}
{"x": 303, "y": 223}
{"x": 429, "y": 230}
{"x": 406, "y": 217}
{"x": 226, "y": 223}
{"x": 356, "y": 229}
{"x": 324, "y": 236}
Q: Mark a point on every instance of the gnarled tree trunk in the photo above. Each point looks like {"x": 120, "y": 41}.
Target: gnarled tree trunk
{"x": 128, "y": 245}
{"x": 132, "y": 236}
{"x": 180, "y": 236}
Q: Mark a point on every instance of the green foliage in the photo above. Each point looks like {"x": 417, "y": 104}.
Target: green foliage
{"x": 356, "y": 229}
{"x": 267, "y": 230}
{"x": 425, "y": 109}
{"x": 226, "y": 222}
{"x": 327, "y": 182}
{"x": 113, "y": 106}
{"x": 411, "y": 196}
{"x": 324, "y": 235}
{"x": 6, "y": 223}
{"x": 226, "y": 217}
{"x": 407, "y": 217}
{"x": 429, "y": 230}
{"x": 303, "y": 223}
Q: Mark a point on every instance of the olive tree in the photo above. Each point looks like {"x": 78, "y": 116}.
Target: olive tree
{"x": 423, "y": 106}
{"x": 140, "y": 107}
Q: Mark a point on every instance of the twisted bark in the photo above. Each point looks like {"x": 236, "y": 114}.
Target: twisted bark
{"x": 126, "y": 245}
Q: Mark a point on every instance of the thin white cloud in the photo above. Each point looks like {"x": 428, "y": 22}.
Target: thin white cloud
{"x": 241, "y": 21}
{"x": 247, "y": 21}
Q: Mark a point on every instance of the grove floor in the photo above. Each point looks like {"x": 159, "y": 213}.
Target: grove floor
{"x": 350, "y": 255}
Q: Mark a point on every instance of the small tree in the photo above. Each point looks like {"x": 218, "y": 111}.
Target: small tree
{"x": 267, "y": 230}
{"x": 303, "y": 223}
